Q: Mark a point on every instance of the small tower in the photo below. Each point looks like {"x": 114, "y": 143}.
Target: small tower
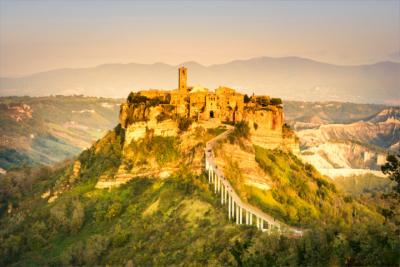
{"x": 182, "y": 79}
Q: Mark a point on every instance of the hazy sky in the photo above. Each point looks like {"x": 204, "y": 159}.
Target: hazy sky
{"x": 42, "y": 35}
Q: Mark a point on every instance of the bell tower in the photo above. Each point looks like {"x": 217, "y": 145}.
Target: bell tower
{"x": 182, "y": 79}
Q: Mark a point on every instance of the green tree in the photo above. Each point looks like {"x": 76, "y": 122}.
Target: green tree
{"x": 113, "y": 210}
{"x": 276, "y": 101}
{"x": 78, "y": 217}
{"x": 392, "y": 168}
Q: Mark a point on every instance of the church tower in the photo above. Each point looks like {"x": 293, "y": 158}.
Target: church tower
{"x": 182, "y": 79}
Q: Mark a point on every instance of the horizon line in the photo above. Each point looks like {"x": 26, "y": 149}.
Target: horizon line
{"x": 196, "y": 62}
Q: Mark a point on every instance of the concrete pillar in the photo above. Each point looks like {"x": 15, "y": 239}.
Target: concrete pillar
{"x": 251, "y": 218}
{"x": 247, "y": 217}
{"x": 226, "y": 194}
{"x": 215, "y": 184}
{"x": 229, "y": 207}
{"x": 219, "y": 184}
{"x": 262, "y": 224}
{"x": 209, "y": 175}
{"x": 222, "y": 195}
{"x": 232, "y": 208}
{"x": 240, "y": 217}
{"x": 237, "y": 214}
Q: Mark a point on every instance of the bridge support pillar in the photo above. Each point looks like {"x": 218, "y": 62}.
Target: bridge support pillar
{"x": 222, "y": 195}
{"x": 226, "y": 194}
{"x": 237, "y": 214}
{"x": 232, "y": 208}
{"x": 229, "y": 207}
{"x": 251, "y": 219}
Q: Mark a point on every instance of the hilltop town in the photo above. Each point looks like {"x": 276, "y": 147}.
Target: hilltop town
{"x": 166, "y": 111}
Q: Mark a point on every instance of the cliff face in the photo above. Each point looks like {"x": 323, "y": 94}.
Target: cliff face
{"x": 266, "y": 124}
{"x": 129, "y": 114}
{"x": 267, "y": 129}
{"x": 139, "y": 119}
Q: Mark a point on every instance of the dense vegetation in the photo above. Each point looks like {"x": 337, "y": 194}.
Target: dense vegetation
{"x": 299, "y": 195}
{"x": 179, "y": 220}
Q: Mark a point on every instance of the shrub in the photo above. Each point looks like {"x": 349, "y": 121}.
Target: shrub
{"x": 162, "y": 117}
{"x": 276, "y": 101}
{"x": 246, "y": 98}
{"x": 241, "y": 130}
{"x": 184, "y": 123}
{"x": 135, "y": 98}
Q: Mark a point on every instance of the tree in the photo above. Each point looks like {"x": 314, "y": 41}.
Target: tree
{"x": 78, "y": 217}
{"x": 246, "y": 98}
{"x": 184, "y": 123}
{"x": 392, "y": 168}
{"x": 276, "y": 101}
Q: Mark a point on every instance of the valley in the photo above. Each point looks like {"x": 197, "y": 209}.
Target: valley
{"x": 46, "y": 130}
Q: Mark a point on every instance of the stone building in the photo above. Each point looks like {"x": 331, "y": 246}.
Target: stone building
{"x": 264, "y": 115}
{"x": 223, "y": 104}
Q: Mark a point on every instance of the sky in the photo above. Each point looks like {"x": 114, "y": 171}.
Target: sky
{"x": 40, "y": 35}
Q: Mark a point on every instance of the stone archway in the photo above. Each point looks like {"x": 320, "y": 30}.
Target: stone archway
{"x": 211, "y": 114}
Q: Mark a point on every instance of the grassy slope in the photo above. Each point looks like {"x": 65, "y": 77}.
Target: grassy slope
{"x": 299, "y": 195}
{"x": 367, "y": 183}
{"x": 177, "y": 221}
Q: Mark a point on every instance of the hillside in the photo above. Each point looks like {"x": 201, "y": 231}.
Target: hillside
{"x": 352, "y": 153}
{"x": 359, "y": 145}
{"x": 289, "y": 77}
{"x": 45, "y": 130}
{"x": 172, "y": 221}
{"x": 302, "y": 115}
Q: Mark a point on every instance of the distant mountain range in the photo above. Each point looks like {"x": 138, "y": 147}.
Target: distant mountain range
{"x": 291, "y": 78}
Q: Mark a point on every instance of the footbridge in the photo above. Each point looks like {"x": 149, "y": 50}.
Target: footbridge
{"x": 239, "y": 211}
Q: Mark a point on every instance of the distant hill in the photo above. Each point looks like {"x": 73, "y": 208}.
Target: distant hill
{"x": 45, "y": 130}
{"x": 301, "y": 112}
{"x": 289, "y": 77}
{"x": 355, "y": 149}
{"x": 389, "y": 114}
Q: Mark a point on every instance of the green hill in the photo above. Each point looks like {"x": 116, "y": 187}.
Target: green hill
{"x": 45, "y": 130}
{"x": 176, "y": 221}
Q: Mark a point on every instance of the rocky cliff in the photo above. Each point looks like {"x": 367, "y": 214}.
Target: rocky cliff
{"x": 356, "y": 148}
{"x": 267, "y": 128}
